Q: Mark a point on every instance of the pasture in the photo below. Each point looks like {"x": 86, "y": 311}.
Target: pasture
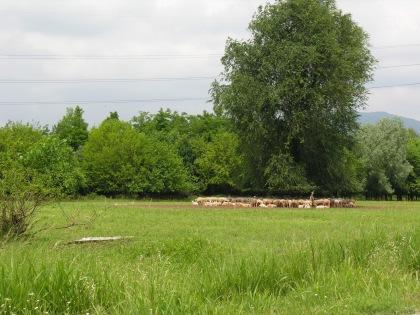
{"x": 185, "y": 260}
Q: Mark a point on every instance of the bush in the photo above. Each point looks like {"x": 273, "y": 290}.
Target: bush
{"x": 56, "y": 166}
{"x": 119, "y": 160}
{"x": 20, "y": 198}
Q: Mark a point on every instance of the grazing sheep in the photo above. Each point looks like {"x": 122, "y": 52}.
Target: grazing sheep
{"x": 279, "y": 203}
{"x": 200, "y": 201}
{"x": 322, "y": 202}
{"x": 294, "y": 204}
{"x": 273, "y": 203}
{"x": 336, "y": 203}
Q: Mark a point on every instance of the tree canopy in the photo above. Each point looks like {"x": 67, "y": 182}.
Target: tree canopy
{"x": 119, "y": 160}
{"x": 383, "y": 149}
{"x": 72, "y": 128}
{"x": 294, "y": 88}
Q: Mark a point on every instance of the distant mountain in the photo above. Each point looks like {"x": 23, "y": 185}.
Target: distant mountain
{"x": 374, "y": 117}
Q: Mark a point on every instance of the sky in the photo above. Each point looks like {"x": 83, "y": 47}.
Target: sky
{"x": 139, "y": 55}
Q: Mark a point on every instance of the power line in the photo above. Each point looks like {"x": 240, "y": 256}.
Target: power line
{"x": 152, "y": 100}
{"x": 400, "y": 66}
{"x": 145, "y": 79}
{"x": 146, "y": 57}
{"x": 104, "y": 80}
{"x": 115, "y": 101}
{"x": 52, "y": 57}
{"x": 396, "y": 46}
{"x": 393, "y": 85}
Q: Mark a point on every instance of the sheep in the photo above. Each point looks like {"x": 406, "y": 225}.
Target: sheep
{"x": 293, "y": 203}
{"x": 336, "y": 203}
{"x": 322, "y": 202}
{"x": 273, "y": 203}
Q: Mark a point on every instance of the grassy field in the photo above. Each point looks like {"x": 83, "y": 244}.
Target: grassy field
{"x": 216, "y": 261}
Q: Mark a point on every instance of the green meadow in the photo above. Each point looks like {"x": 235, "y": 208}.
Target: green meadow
{"x": 184, "y": 260}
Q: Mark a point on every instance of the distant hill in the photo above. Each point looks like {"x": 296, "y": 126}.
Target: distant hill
{"x": 374, "y": 117}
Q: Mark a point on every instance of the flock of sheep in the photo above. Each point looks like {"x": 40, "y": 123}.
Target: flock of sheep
{"x": 273, "y": 203}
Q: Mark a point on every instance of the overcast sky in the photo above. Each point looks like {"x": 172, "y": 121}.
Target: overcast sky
{"x": 144, "y": 39}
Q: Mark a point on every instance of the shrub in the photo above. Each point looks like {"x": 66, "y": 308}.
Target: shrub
{"x": 20, "y": 198}
{"x": 56, "y": 166}
{"x": 119, "y": 160}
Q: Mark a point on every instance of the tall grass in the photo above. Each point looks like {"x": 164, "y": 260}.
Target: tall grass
{"x": 369, "y": 274}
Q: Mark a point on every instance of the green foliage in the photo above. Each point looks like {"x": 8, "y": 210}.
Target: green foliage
{"x": 72, "y": 128}
{"x": 205, "y": 143}
{"x": 166, "y": 172}
{"x": 46, "y": 160}
{"x": 55, "y": 165}
{"x": 383, "y": 151}
{"x": 21, "y": 194}
{"x": 284, "y": 176}
{"x": 218, "y": 163}
{"x": 112, "y": 159}
{"x": 296, "y": 86}
{"x": 119, "y": 160}
{"x": 16, "y": 139}
{"x": 113, "y": 115}
{"x": 413, "y": 157}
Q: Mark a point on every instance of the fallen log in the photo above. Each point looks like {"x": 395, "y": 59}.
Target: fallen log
{"x": 100, "y": 239}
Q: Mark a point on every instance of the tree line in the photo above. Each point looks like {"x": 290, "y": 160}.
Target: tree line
{"x": 284, "y": 123}
{"x": 170, "y": 153}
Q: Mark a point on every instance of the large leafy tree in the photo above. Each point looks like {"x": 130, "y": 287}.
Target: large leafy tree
{"x": 383, "y": 149}
{"x": 294, "y": 88}
{"x": 72, "y": 128}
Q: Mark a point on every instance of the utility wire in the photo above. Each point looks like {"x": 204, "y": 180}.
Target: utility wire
{"x": 7, "y": 56}
{"x": 396, "y": 46}
{"x": 115, "y": 101}
{"x": 153, "y": 100}
{"x": 146, "y": 79}
{"x": 44, "y": 57}
{"x": 105, "y": 80}
{"x": 394, "y": 85}
{"x": 400, "y": 66}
